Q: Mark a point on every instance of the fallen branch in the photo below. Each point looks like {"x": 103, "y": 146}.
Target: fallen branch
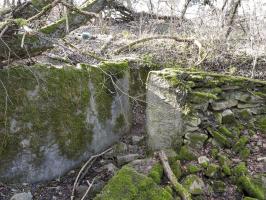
{"x": 83, "y": 168}
{"x": 177, "y": 39}
{"x": 173, "y": 180}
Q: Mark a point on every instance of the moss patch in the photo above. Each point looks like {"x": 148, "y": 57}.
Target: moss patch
{"x": 130, "y": 185}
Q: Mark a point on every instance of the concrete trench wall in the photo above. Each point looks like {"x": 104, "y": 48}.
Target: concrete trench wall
{"x": 51, "y": 119}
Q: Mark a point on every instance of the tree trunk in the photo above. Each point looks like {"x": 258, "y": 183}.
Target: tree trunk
{"x": 233, "y": 12}
{"x": 184, "y": 10}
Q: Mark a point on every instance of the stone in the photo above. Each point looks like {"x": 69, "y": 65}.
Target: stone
{"x": 221, "y": 105}
{"x": 248, "y": 105}
{"x": 120, "y": 148}
{"x": 194, "y": 184}
{"x": 203, "y": 160}
{"x": 228, "y": 117}
{"x": 110, "y": 168}
{"x": 86, "y": 35}
{"x": 121, "y": 160}
{"x": 194, "y": 121}
{"x": 212, "y": 170}
{"x": 137, "y": 139}
{"x": 196, "y": 139}
{"x": 258, "y": 111}
{"x": 164, "y": 116}
{"x": 22, "y": 196}
{"x": 191, "y": 128}
{"x": 241, "y": 96}
{"x": 218, "y": 186}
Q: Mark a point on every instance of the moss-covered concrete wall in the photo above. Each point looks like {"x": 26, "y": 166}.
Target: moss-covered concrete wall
{"x": 51, "y": 118}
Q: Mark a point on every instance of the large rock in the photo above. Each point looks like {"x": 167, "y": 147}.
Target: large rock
{"x": 55, "y": 118}
{"x": 22, "y": 196}
{"x": 164, "y": 124}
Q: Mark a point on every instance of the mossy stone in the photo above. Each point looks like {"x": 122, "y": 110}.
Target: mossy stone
{"x": 128, "y": 184}
{"x": 186, "y": 153}
{"x": 262, "y": 124}
{"x": 212, "y": 170}
{"x": 219, "y": 186}
{"x": 241, "y": 143}
{"x": 192, "y": 168}
{"x": 194, "y": 184}
{"x": 240, "y": 169}
{"x": 253, "y": 190}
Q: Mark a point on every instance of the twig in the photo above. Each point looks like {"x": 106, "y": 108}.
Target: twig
{"x": 87, "y": 191}
{"x": 83, "y": 168}
{"x": 173, "y": 180}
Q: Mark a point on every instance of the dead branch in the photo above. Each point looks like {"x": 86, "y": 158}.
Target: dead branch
{"x": 92, "y": 158}
{"x": 177, "y": 39}
{"x": 173, "y": 180}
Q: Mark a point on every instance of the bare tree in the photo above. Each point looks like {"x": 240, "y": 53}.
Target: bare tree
{"x": 232, "y": 13}
{"x": 184, "y": 10}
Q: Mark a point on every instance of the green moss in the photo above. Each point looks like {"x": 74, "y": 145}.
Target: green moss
{"x": 103, "y": 79}
{"x": 244, "y": 153}
{"x": 21, "y": 22}
{"x": 221, "y": 139}
{"x": 212, "y": 170}
{"x": 204, "y": 95}
{"x": 250, "y": 188}
{"x": 223, "y": 130}
{"x": 249, "y": 198}
{"x": 262, "y": 124}
{"x": 218, "y": 186}
{"x": 214, "y": 152}
{"x": 46, "y": 99}
{"x": 194, "y": 184}
{"x": 225, "y": 164}
{"x": 240, "y": 144}
{"x": 186, "y": 153}
{"x": 245, "y": 114}
{"x": 130, "y": 185}
{"x": 240, "y": 169}
{"x": 119, "y": 122}
{"x": 192, "y": 169}
{"x": 176, "y": 167}
{"x": 156, "y": 173}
